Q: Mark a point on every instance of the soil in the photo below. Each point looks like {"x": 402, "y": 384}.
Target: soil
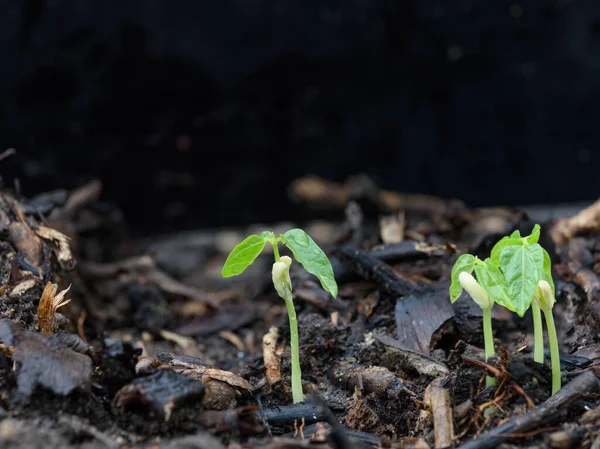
{"x": 150, "y": 347}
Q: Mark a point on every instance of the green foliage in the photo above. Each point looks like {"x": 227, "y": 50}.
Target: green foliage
{"x": 312, "y": 258}
{"x": 243, "y": 255}
{"x": 512, "y": 272}
{"x": 304, "y": 248}
{"x": 547, "y": 271}
{"x": 534, "y": 237}
{"x": 492, "y": 280}
{"x": 503, "y": 243}
{"x": 524, "y": 263}
{"x": 521, "y": 267}
{"x": 465, "y": 262}
{"x": 511, "y": 276}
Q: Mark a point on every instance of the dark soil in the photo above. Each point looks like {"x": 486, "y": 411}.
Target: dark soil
{"x": 155, "y": 349}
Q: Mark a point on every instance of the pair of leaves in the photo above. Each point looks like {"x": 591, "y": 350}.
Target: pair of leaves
{"x": 303, "y": 247}
{"x": 524, "y": 263}
{"x": 512, "y": 272}
{"x": 488, "y": 275}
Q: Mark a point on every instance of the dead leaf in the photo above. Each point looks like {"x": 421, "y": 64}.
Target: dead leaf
{"x": 59, "y": 369}
{"x": 50, "y": 301}
{"x": 419, "y": 318}
{"x": 271, "y": 358}
{"x": 62, "y": 250}
{"x": 588, "y": 220}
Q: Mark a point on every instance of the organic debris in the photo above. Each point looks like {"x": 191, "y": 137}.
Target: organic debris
{"x": 221, "y": 386}
{"x": 51, "y": 364}
{"x": 271, "y": 358}
{"x": 155, "y": 349}
{"x": 161, "y": 392}
{"x": 50, "y": 302}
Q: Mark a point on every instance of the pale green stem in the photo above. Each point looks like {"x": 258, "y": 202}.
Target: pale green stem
{"x": 275, "y": 250}
{"x": 488, "y": 339}
{"x": 297, "y": 394}
{"x": 554, "y": 354}
{"x": 538, "y": 333}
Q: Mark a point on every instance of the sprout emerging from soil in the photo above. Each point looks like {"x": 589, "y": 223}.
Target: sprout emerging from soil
{"x": 528, "y": 271}
{"x": 544, "y": 299}
{"x": 517, "y": 275}
{"x": 485, "y": 302}
{"x": 312, "y": 258}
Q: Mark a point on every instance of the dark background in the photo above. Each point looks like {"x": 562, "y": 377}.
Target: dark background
{"x": 197, "y": 113}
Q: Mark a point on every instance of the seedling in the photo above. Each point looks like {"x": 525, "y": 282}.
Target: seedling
{"x": 310, "y": 256}
{"x": 545, "y": 299}
{"x": 527, "y": 266}
{"x": 489, "y": 287}
{"x": 517, "y": 275}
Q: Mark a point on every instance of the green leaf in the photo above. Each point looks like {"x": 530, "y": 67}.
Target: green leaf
{"x": 537, "y": 256}
{"x": 243, "y": 255}
{"x": 492, "y": 280}
{"x": 520, "y": 267}
{"x": 503, "y": 243}
{"x": 515, "y": 235}
{"x": 547, "y": 270}
{"x": 267, "y": 235}
{"x": 534, "y": 236}
{"x": 465, "y": 262}
{"x": 312, "y": 258}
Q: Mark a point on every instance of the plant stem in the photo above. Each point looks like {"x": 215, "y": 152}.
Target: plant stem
{"x": 275, "y": 250}
{"x": 538, "y": 333}
{"x": 554, "y": 354}
{"x": 488, "y": 339}
{"x": 297, "y": 394}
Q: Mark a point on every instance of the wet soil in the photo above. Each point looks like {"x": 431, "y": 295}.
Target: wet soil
{"x": 155, "y": 349}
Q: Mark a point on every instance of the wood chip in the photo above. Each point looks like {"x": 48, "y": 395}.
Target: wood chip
{"x": 271, "y": 358}
{"x": 335, "y": 316}
{"x": 50, "y": 301}
{"x": 391, "y": 228}
{"x": 22, "y": 287}
{"x": 438, "y": 398}
{"x": 588, "y": 220}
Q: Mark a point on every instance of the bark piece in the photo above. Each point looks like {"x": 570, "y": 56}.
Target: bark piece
{"x": 271, "y": 358}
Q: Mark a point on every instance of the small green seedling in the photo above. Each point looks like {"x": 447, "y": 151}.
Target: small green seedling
{"x": 517, "y": 275}
{"x": 490, "y": 287}
{"x": 526, "y": 265}
{"x": 312, "y": 258}
{"x": 545, "y": 299}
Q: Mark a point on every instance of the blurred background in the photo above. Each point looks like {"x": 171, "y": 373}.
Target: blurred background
{"x": 201, "y": 114}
